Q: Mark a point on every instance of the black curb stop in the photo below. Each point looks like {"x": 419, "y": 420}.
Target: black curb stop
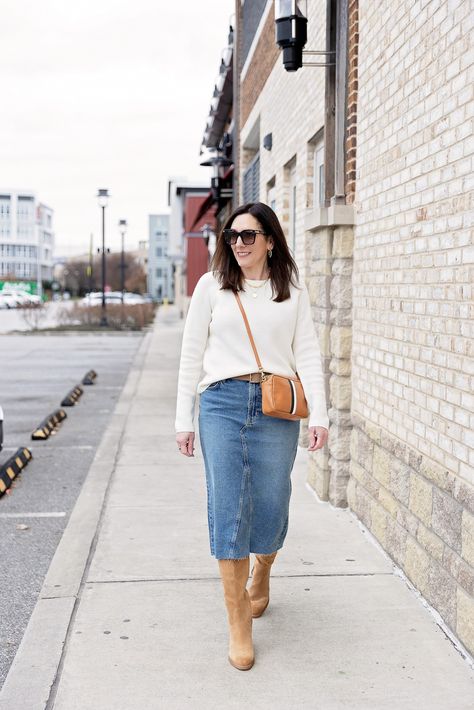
{"x": 48, "y": 425}
{"x": 89, "y": 377}
{"x": 71, "y": 398}
{"x": 12, "y": 467}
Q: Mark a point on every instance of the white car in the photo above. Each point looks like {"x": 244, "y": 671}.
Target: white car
{"x": 133, "y": 298}
{"x": 95, "y": 299}
{"x": 7, "y": 300}
{"x": 22, "y": 298}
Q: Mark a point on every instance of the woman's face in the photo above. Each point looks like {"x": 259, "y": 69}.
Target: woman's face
{"x": 254, "y": 255}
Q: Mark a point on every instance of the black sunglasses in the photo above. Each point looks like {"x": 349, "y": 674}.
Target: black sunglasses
{"x": 247, "y": 235}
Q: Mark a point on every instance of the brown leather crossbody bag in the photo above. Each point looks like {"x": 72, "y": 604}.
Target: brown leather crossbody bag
{"x": 282, "y": 397}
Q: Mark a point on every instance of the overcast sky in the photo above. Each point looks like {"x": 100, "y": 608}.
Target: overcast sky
{"x": 106, "y": 93}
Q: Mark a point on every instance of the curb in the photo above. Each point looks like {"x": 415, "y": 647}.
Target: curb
{"x": 31, "y": 679}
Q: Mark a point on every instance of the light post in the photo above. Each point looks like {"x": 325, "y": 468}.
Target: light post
{"x": 103, "y": 196}
{"x": 123, "y": 231}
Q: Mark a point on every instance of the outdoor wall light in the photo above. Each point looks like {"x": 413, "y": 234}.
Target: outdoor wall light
{"x": 291, "y": 31}
{"x": 268, "y": 141}
{"x": 291, "y": 35}
{"x": 218, "y": 163}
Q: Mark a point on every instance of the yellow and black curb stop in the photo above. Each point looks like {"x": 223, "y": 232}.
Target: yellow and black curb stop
{"x": 71, "y": 398}
{"x": 89, "y": 377}
{"x": 12, "y": 467}
{"x": 49, "y": 425}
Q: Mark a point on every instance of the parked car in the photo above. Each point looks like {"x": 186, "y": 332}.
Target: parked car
{"x": 21, "y": 297}
{"x": 95, "y": 298}
{"x": 7, "y": 301}
{"x": 30, "y": 299}
{"x": 133, "y": 298}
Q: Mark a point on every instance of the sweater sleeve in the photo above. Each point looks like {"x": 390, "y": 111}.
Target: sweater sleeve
{"x": 195, "y": 334}
{"x": 308, "y": 362}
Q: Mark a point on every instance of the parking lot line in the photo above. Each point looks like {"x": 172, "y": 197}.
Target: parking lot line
{"x": 55, "y": 514}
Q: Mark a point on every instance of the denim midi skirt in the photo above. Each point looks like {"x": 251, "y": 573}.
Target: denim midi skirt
{"x": 248, "y": 458}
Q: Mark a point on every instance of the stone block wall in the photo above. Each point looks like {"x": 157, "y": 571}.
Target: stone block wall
{"x": 329, "y": 279}
{"x": 412, "y": 444}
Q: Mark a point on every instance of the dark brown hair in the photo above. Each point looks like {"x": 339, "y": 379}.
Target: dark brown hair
{"x": 283, "y": 268}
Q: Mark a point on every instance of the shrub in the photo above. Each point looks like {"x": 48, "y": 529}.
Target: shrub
{"x": 126, "y": 317}
{"x": 33, "y": 315}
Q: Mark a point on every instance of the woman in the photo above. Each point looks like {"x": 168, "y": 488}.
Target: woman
{"x": 248, "y": 456}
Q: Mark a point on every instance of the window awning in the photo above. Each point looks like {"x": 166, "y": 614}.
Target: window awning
{"x": 205, "y": 207}
{"x": 211, "y": 199}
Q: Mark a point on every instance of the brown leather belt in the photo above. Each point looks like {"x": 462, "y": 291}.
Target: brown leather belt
{"x": 251, "y": 377}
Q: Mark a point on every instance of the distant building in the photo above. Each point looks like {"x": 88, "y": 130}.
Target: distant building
{"x": 26, "y": 239}
{"x": 141, "y": 254}
{"x": 190, "y": 212}
{"x": 160, "y": 276}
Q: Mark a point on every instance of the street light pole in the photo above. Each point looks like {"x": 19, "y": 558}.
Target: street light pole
{"x": 103, "y": 196}
{"x": 123, "y": 230}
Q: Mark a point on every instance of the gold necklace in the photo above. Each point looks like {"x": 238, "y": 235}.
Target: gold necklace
{"x": 254, "y": 292}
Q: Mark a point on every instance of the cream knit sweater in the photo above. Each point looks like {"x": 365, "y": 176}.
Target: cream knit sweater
{"x": 216, "y": 346}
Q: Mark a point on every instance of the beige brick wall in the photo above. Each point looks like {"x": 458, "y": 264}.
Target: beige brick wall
{"x": 412, "y": 446}
{"x": 291, "y": 107}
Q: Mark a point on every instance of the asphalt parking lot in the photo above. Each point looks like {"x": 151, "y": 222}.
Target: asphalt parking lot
{"x": 36, "y": 372}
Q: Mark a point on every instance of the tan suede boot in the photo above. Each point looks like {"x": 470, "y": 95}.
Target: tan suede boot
{"x": 259, "y": 591}
{"x": 234, "y": 575}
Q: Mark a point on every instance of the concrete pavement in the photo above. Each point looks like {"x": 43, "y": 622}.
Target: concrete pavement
{"x": 131, "y": 614}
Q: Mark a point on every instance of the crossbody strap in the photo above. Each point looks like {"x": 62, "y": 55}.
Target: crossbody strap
{"x": 249, "y": 332}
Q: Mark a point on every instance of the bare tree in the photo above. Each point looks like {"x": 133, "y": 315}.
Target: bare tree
{"x": 34, "y": 315}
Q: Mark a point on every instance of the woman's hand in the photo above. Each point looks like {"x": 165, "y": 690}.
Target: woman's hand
{"x": 185, "y": 441}
{"x": 318, "y": 435}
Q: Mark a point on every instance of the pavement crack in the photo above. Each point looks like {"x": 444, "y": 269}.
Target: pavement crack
{"x": 217, "y": 578}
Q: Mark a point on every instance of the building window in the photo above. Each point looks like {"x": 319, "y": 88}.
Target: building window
{"x": 5, "y": 206}
{"x": 159, "y": 251}
{"x": 159, "y": 273}
{"x": 315, "y": 187}
{"x": 251, "y": 180}
{"x": 318, "y": 176}
{"x": 292, "y": 210}
{"x": 271, "y": 194}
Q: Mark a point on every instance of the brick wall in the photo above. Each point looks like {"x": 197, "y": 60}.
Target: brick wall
{"x": 352, "y": 86}
{"x": 262, "y": 62}
{"x": 412, "y": 445}
{"x": 291, "y": 107}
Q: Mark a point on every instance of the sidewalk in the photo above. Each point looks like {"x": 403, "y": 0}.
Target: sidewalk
{"x": 131, "y": 615}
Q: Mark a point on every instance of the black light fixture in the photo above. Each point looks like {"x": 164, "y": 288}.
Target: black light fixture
{"x": 103, "y": 198}
{"x": 291, "y": 31}
{"x": 123, "y": 230}
{"x": 291, "y": 22}
{"x": 268, "y": 141}
{"x": 217, "y": 162}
